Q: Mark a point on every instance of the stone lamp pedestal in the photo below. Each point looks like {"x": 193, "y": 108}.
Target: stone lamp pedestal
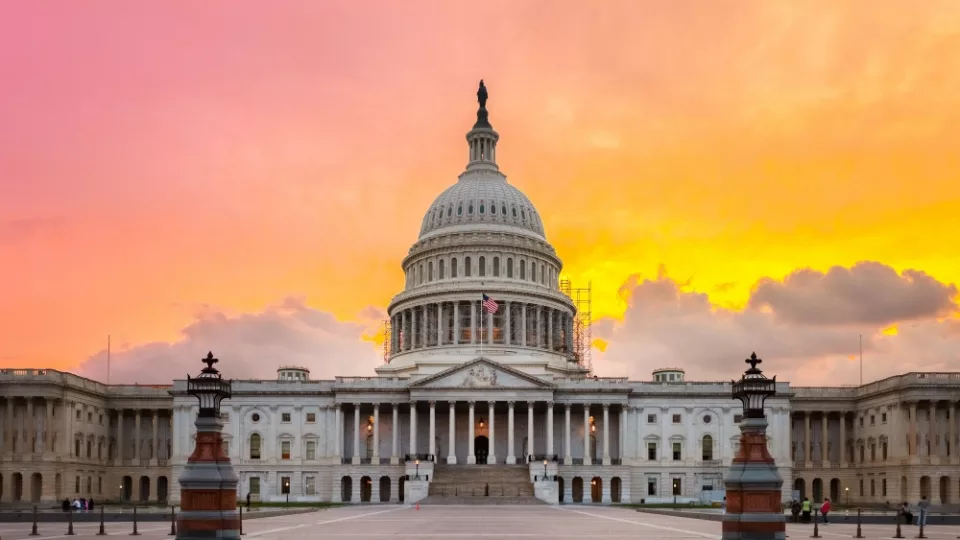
{"x": 208, "y": 488}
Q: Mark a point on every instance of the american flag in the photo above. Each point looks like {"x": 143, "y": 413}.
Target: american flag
{"x": 490, "y": 304}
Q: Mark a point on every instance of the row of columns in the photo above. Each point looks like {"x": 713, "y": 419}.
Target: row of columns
{"x": 443, "y": 323}
{"x": 471, "y": 453}
{"x": 847, "y": 452}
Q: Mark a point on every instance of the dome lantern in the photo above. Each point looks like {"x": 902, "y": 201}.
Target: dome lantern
{"x": 482, "y": 139}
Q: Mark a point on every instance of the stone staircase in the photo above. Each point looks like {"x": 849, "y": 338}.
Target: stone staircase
{"x": 481, "y": 484}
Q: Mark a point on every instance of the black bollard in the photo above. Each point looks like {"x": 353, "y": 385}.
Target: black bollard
{"x": 899, "y": 533}
{"x": 134, "y": 533}
{"x": 173, "y": 520}
{"x": 241, "y": 521}
{"x": 33, "y": 531}
{"x": 816, "y": 525}
{"x": 859, "y": 532}
{"x": 102, "y": 531}
{"x": 70, "y": 526}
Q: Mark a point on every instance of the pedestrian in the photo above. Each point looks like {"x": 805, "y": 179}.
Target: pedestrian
{"x": 922, "y": 506}
{"x": 795, "y": 510}
{"x": 90, "y": 505}
{"x": 805, "y": 508}
{"x": 723, "y": 506}
{"x": 825, "y": 509}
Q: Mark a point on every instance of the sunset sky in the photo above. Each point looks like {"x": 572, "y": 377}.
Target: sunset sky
{"x": 245, "y": 177}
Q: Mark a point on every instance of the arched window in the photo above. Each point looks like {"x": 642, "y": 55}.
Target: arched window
{"x": 440, "y": 269}
{"x": 533, "y": 272}
{"x": 482, "y": 208}
{"x": 509, "y": 267}
{"x": 483, "y": 266}
{"x": 496, "y": 265}
{"x": 707, "y": 448}
{"x": 523, "y": 269}
{"x": 255, "y": 446}
{"x": 460, "y": 210}
{"x": 430, "y": 271}
{"x": 466, "y": 267}
{"x": 503, "y": 210}
{"x": 493, "y": 209}
{"x": 453, "y": 267}
{"x": 420, "y": 274}
{"x": 470, "y": 209}
{"x": 449, "y": 211}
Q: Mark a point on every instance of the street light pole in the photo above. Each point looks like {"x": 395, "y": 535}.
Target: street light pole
{"x": 544, "y": 470}
{"x": 417, "y": 462}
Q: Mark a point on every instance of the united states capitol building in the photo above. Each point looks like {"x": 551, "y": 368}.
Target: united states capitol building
{"x": 477, "y": 400}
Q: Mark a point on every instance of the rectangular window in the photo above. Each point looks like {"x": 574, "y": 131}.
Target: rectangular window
{"x": 861, "y": 421}
{"x": 254, "y": 485}
{"x": 884, "y": 450}
{"x": 90, "y": 417}
{"x": 873, "y": 451}
{"x": 310, "y": 485}
{"x": 873, "y": 487}
{"x": 677, "y": 419}
{"x": 652, "y": 451}
{"x": 651, "y": 419}
{"x": 883, "y": 418}
{"x": 737, "y": 418}
{"x": 883, "y": 487}
{"x": 861, "y": 487}
{"x": 284, "y": 485}
{"x": 285, "y": 450}
{"x": 255, "y": 446}
{"x": 100, "y": 485}
{"x": 101, "y": 419}
{"x": 678, "y": 486}
{"x": 873, "y": 419}
{"x": 78, "y": 415}
{"x": 677, "y": 451}
{"x": 77, "y": 485}
{"x": 652, "y": 486}
{"x": 285, "y": 417}
{"x": 311, "y": 418}
{"x": 89, "y": 484}
{"x": 311, "y": 450}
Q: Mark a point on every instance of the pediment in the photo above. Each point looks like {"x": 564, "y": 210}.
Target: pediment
{"x": 482, "y": 373}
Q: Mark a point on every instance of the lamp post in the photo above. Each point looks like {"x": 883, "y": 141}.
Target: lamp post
{"x": 847, "y": 491}
{"x": 544, "y": 470}
{"x": 208, "y": 484}
{"x": 753, "y": 470}
{"x": 417, "y": 463}
{"x": 286, "y": 487}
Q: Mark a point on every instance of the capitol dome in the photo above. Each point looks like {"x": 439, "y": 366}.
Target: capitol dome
{"x": 481, "y": 279}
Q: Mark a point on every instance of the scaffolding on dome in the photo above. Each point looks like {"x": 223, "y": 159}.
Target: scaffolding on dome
{"x": 387, "y": 341}
{"x": 582, "y": 322}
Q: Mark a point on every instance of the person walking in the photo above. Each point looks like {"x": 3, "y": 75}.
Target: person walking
{"x": 825, "y": 509}
{"x": 795, "y": 510}
{"x": 805, "y": 508}
{"x": 923, "y": 506}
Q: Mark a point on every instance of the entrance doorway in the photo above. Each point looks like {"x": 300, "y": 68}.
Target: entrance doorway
{"x": 481, "y": 447}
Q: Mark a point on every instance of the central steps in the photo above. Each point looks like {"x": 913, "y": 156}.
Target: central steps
{"x": 481, "y": 484}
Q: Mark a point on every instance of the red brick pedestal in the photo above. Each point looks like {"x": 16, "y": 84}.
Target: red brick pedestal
{"x": 208, "y": 494}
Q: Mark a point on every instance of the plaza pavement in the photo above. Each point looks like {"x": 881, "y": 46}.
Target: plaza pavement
{"x": 471, "y": 522}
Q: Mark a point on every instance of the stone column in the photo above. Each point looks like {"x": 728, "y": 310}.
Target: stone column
{"x": 395, "y": 435}
{"x": 539, "y": 332}
{"x": 48, "y": 429}
{"x": 356, "y": 434}
{"x": 952, "y": 432}
{"x": 121, "y": 444}
{"x": 492, "y": 456}
{"x": 807, "y": 441}
{"x": 843, "y": 440}
{"x": 8, "y": 426}
{"x": 474, "y": 338}
{"x": 824, "y": 431}
{"x": 471, "y": 456}
{"x": 432, "y": 443}
{"x": 531, "y": 448}
{"x": 376, "y": 434}
{"x": 456, "y": 323}
{"x": 550, "y": 314}
{"x": 932, "y": 436}
{"x": 29, "y": 429}
{"x": 338, "y": 433}
{"x": 413, "y": 429}
{"x": 506, "y": 336}
{"x": 138, "y": 434}
{"x": 405, "y": 328}
{"x": 523, "y": 324}
{"x": 439, "y": 323}
{"x": 912, "y": 447}
{"x": 549, "y": 429}
{"x": 424, "y": 324}
{"x": 606, "y": 434}
{"x": 452, "y": 453}
{"x": 567, "y": 456}
{"x": 586, "y": 436}
{"x": 155, "y": 447}
{"x": 511, "y": 458}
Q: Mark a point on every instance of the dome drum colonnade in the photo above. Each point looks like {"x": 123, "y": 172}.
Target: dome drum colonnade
{"x": 479, "y": 236}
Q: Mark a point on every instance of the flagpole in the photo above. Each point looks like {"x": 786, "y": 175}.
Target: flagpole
{"x": 482, "y": 313}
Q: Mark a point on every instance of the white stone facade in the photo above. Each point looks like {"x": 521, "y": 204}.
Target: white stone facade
{"x": 65, "y": 436}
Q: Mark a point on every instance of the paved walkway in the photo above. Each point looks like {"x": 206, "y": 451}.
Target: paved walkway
{"x": 473, "y": 523}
